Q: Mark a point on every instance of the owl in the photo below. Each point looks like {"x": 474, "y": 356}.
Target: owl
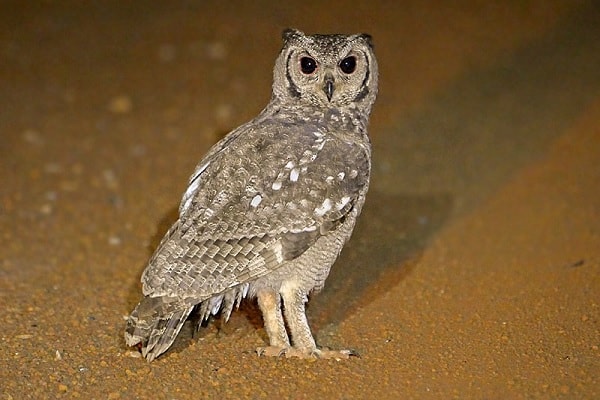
{"x": 269, "y": 208}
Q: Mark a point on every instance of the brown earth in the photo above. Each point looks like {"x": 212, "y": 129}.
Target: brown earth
{"x": 473, "y": 272}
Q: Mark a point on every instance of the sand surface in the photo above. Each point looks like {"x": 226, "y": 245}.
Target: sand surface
{"x": 474, "y": 271}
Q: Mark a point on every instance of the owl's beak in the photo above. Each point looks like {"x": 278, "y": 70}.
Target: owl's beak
{"x": 328, "y": 87}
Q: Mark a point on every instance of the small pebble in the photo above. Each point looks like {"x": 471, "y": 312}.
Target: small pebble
{"x": 46, "y": 209}
{"x": 166, "y": 53}
{"x": 134, "y": 354}
{"x": 216, "y": 51}
{"x": 120, "y": 104}
{"x": 51, "y": 195}
{"x": 110, "y": 178}
{"x": 52, "y": 168}
{"x": 138, "y": 150}
{"x": 33, "y": 137}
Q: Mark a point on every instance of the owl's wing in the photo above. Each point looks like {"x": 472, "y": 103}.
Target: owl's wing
{"x": 255, "y": 204}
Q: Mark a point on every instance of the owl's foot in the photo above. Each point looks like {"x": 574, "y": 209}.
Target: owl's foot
{"x": 271, "y": 351}
{"x": 337, "y": 354}
{"x": 326, "y": 354}
{"x": 289, "y": 352}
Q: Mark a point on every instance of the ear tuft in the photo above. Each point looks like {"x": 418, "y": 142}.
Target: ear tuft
{"x": 367, "y": 38}
{"x": 290, "y": 33}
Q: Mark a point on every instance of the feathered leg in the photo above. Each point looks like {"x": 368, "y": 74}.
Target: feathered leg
{"x": 294, "y": 301}
{"x": 295, "y": 315}
{"x": 269, "y": 302}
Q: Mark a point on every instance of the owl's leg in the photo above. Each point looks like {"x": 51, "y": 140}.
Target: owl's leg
{"x": 294, "y": 301}
{"x": 269, "y": 302}
{"x": 294, "y": 306}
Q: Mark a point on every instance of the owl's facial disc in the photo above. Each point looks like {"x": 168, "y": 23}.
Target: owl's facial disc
{"x": 326, "y": 70}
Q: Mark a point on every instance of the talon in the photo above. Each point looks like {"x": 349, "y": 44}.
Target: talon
{"x": 337, "y": 354}
{"x": 302, "y": 353}
{"x": 351, "y": 353}
{"x": 271, "y": 351}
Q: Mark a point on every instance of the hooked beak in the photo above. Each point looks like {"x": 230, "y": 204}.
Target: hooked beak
{"x": 328, "y": 87}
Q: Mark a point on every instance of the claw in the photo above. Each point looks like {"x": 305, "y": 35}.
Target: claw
{"x": 337, "y": 354}
{"x": 351, "y": 353}
{"x": 290, "y": 352}
{"x": 271, "y": 351}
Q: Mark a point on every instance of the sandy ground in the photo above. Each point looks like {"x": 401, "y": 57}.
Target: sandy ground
{"x": 473, "y": 273}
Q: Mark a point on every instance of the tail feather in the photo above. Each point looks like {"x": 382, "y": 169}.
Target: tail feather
{"x": 155, "y": 323}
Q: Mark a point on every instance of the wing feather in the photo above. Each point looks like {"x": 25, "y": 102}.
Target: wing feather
{"x": 254, "y": 204}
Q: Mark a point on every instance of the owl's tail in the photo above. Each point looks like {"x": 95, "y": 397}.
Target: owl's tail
{"x": 155, "y": 323}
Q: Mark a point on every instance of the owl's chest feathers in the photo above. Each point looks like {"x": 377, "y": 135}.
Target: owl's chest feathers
{"x": 349, "y": 118}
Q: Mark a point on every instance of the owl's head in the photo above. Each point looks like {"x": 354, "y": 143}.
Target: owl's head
{"x": 326, "y": 70}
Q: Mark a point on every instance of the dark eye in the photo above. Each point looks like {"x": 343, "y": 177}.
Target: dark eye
{"x": 348, "y": 65}
{"x": 308, "y": 65}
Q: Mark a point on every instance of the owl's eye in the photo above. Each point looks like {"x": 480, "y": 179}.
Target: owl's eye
{"x": 308, "y": 65}
{"x": 348, "y": 65}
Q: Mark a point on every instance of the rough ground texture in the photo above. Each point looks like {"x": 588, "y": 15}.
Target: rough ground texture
{"x": 473, "y": 273}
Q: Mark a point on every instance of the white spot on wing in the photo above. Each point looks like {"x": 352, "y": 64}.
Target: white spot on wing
{"x": 341, "y": 175}
{"x": 193, "y": 186}
{"x": 186, "y": 204}
{"x": 278, "y": 251}
{"x": 189, "y": 194}
{"x": 276, "y": 185}
{"x": 342, "y": 203}
{"x": 294, "y": 173}
{"x": 256, "y": 200}
{"x": 308, "y": 156}
{"x": 323, "y": 208}
{"x": 290, "y": 165}
{"x": 311, "y": 228}
{"x": 320, "y": 146}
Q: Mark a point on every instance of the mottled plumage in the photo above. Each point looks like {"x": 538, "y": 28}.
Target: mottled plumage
{"x": 269, "y": 208}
